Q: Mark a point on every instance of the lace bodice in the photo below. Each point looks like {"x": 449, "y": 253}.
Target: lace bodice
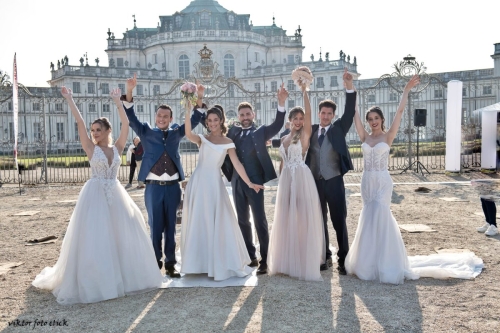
{"x": 100, "y": 166}
{"x": 293, "y": 157}
{"x": 104, "y": 173}
{"x": 375, "y": 158}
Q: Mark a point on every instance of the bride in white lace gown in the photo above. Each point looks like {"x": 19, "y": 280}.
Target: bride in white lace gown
{"x": 297, "y": 243}
{"x": 106, "y": 252}
{"x": 378, "y": 251}
{"x": 211, "y": 239}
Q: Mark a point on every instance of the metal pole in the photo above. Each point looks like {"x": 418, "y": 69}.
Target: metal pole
{"x": 43, "y": 176}
{"x": 409, "y": 129}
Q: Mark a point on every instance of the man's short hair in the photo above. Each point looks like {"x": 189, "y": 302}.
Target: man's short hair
{"x": 166, "y": 107}
{"x": 245, "y": 105}
{"x": 327, "y": 103}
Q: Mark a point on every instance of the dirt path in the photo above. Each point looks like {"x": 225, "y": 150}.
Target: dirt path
{"x": 279, "y": 304}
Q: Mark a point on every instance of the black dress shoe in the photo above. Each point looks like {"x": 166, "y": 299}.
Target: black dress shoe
{"x": 254, "y": 263}
{"x": 172, "y": 272}
{"x": 328, "y": 263}
{"x": 262, "y": 269}
{"x": 160, "y": 264}
{"x": 341, "y": 270}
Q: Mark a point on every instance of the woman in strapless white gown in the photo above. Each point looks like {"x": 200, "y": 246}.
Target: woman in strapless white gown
{"x": 297, "y": 243}
{"x": 106, "y": 252}
{"x": 211, "y": 239}
{"x": 378, "y": 251}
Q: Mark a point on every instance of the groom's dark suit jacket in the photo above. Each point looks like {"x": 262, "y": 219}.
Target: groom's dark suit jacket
{"x": 259, "y": 137}
{"x": 152, "y": 139}
{"x": 337, "y": 133}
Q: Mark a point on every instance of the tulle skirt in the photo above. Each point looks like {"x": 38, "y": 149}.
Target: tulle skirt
{"x": 297, "y": 243}
{"x": 106, "y": 252}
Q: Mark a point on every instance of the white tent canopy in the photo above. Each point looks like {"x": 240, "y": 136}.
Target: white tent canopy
{"x": 489, "y": 135}
{"x": 489, "y": 108}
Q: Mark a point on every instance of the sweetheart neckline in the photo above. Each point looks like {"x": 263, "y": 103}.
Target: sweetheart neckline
{"x": 375, "y": 144}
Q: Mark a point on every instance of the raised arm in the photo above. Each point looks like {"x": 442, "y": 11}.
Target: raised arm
{"x": 350, "y": 103}
{"x": 187, "y": 126}
{"x": 274, "y": 128}
{"x": 87, "y": 143}
{"x": 362, "y": 133}
{"x": 122, "y": 139}
{"x": 241, "y": 171}
{"x": 393, "y": 131}
{"x": 307, "y": 128}
{"x": 131, "y": 84}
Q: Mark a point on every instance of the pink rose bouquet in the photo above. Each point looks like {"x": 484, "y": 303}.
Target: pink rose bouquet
{"x": 188, "y": 92}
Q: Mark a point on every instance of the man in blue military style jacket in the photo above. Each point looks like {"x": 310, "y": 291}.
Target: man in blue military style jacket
{"x": 161, "y": 170}
{"x": 251, "y": 149}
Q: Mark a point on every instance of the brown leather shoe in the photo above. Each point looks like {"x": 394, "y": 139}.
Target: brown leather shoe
{"x": 172, "y": 272}
{"x": 262, "y": 269}
{"x": 254, "y": 263}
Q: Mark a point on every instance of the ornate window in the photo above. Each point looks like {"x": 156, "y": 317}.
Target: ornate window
{"x": 183, "y": 66}
{"x": 439, "y": 118}
{"x": 320, "y": 83}
{"x": 257, "y": 87}
{"x": 230, "y": 20}
{"x": 229, "y": 66}
{"x": 76, "y": 87}
{"x": 91, "y": 87}
{"x": 274, "y": 86}
{"x": 204, "y": 19}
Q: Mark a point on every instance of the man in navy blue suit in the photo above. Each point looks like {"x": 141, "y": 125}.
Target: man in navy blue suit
{"x": 250, "y": 143}
{"x": 161, "y": 170}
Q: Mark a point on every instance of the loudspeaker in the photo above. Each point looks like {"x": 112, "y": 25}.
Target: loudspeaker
{"x": 420, "y": 118}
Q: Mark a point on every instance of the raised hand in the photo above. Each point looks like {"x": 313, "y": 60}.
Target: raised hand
{"x": 415, "y": 80}
{"x": 132, "y": 82}
{"x": 282, "y": 95}
{"x": 347, "y": 77}
{"x": 66, "y": 92}
{"x": 115, "y": 94}
{"x": 200, "y": 89}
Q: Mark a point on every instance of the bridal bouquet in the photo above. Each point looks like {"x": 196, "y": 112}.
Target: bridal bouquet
{"x": 302, "y": 76}
{"x": 188, "y": 92}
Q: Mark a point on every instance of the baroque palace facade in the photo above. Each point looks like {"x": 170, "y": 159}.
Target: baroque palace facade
{"x": 237, "y": 62}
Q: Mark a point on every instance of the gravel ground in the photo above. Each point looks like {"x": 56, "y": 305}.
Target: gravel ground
{"x": 278, "y": 303}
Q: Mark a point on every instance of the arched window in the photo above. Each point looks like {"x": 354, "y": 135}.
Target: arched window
{"x": 204, "y": 19}
{"x": 231, "y": 115}
{"x": 229, "y": 66}
{"x": 183, "y": 66}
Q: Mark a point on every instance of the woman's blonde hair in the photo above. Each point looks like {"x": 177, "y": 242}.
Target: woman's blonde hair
{"x": 104, "y": 122}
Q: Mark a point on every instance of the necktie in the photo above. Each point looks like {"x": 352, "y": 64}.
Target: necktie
{"x": 321, "y": 137}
